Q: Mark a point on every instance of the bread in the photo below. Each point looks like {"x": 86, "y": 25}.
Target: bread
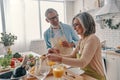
{"x": 32, "y": 70}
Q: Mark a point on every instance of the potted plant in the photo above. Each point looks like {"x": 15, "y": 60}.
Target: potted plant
{"x": 7, "y": 39}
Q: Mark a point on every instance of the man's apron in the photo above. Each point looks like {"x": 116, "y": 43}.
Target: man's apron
{"x": 56, "y": 42}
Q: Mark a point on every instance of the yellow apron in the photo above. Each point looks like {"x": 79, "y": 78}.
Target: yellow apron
{"x": 91, "y": 72}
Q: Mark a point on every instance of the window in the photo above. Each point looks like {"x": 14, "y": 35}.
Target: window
{"x": 0, "y": 21}
{"x": 44, "y": 5}
{"x": 2, "y": 17}
{"x": 26, "y": 19}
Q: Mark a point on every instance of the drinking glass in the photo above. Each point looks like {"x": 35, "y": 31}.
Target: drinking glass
{"x": 58, "y": 71}
{"x": 43, "y": 70}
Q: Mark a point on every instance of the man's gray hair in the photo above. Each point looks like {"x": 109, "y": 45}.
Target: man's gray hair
{"x": 87, "y": 23}
{"x": 50, "y": 10}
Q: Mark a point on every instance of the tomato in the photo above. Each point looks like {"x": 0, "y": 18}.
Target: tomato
{"x": 20, "y": 59}
{"x": 12, "y": 63}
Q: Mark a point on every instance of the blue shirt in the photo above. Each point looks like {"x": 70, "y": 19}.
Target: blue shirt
{"x": 69, "y": 32}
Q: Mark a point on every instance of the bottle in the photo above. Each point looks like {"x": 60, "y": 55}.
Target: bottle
{"x": 37, "y": 65}
{"x": 9, "y": 51}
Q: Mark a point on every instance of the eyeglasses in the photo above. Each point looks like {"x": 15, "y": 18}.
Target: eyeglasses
{"x": 53, "y": 18}
{"x": 75, "y": 24}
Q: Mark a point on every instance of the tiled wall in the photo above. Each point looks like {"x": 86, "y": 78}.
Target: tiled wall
{"x": 118, "y": 4}
{"x": 112, "y": 37}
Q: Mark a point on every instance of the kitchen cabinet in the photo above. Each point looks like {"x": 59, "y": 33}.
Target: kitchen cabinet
{"x": 113, "y": 71}
{"x": 118, "y": 62}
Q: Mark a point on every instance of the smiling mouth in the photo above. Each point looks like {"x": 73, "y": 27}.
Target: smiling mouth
{"x": 76, "y": 30}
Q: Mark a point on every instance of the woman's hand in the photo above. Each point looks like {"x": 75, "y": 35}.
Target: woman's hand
{"x": 55, "y": 57}
{"x": 53, "y": 50}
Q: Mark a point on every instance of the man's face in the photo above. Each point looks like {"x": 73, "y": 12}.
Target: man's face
{"x": 53, "y": 19}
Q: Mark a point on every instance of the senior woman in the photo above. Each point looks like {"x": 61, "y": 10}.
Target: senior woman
{"x": 87, "y": 54}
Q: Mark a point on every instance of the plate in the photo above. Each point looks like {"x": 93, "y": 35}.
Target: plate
{"x": 31, "y": 72}
{"x": 76, "y": 70}
{"x": 66, "y": 66}
{"x": 4, "y": 70}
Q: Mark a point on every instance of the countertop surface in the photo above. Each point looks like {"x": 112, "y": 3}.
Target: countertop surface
{"x": 110, "y": 52}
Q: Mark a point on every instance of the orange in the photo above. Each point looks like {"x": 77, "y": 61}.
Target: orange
{"x": 51, "y": 63}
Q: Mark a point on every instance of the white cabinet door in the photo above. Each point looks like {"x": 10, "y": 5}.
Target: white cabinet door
{"x": 118, "y": 62}
{"x": 112, "y": 67}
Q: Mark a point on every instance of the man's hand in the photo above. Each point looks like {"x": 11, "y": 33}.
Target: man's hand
{"x": 67, "y": 44}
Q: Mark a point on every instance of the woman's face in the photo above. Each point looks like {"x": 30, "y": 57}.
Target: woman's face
{"x": 77, "y": 26}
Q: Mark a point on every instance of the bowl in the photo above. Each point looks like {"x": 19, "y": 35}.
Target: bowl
{"x": 17, "y": 78}
{"x": 6, "y": 75}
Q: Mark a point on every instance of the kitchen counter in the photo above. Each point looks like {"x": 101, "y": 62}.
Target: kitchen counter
{"x": 112, "y": 53}
{"x": 112, "y": 64}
